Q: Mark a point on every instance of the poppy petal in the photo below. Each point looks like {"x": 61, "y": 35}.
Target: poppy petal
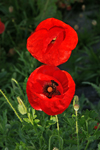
{"x": 52, "y": 42}
{"x": 62, "y": 78}
{"x": 2, "y": 27}
{"x": 64, "y": 89}
{"x": 35, "y": 84}
{"x": 49, "y": 23}
{"x": 32, "y": 97}
{"x": 57, "y": 105}
{"x": 35, "y": 43}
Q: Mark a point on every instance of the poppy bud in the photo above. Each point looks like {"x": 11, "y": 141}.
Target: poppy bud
{"x": 83, "y": 7}
{"x": 11, "y": 9}
{"x": 55, "y": 148}
{"x": 21, "y": 106}
{"x": 94, "y": 22}
{"x": 76, "y": 27}
{"x": 76, "y": 107}
{"x": 76, "y": 100}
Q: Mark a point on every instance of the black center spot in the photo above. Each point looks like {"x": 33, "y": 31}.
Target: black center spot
{"x": 50, "y": 89}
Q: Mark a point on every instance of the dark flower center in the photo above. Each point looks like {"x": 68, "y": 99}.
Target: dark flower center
{"x": 50, "y": 89}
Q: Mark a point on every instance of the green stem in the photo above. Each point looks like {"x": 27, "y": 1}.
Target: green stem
{"x": 11, "y": 38}
{"x": 45, "y": 7}
{"x": 57, "y": 123}
{"x": 18, "y": 87}
{"x": 22, "y": 28}
{"x": 77, "y": 130}
{"x": 11, "y": 105}
{"x": 60, "y": 142}
{"x": 30, "y": 120}
{"x": 87, "y": 145}
{"x": 93, "y": 134}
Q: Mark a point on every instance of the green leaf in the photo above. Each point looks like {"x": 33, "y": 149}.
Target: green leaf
{"x": 72, "y": 1}
{"x": 53, "y": 118}
{"x": 27, "y": 120}
{"x": 36, "y": 121}
{"x": 47, "y": 9}
{"x": 91, "y": 138}
{"x": 33, "y": 113}
{"x": 40, "y": 127}
{"x": 97, "y": 88}
{"x": 99, "y": 146}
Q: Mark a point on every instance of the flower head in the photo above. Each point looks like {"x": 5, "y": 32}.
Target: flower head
{"x": 52, "y": 42}
{"x": 2, "y": 27}
{"x": 49, "y": 89}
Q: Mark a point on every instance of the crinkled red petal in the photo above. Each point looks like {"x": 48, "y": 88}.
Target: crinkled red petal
{"x": 40, "y": 44}
{"x": 30, "y": 90}
{"x": 62, "y": 78}
{"x": 49, "y": 23}
{"x": 57, "y": 105}
{"x": 35, "y": 44}
{"x": 36, "y": 81}
{"x": 47, "y": 69}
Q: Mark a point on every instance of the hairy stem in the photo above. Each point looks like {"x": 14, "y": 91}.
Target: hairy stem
{"x": 57, "y": 123}
{"x": 11, "y": 105}
{"x": 77, "y": 130}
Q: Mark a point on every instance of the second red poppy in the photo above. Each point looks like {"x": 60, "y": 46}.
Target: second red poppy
{"x": 52, "y": 42}
{"x": 50, "y": 89}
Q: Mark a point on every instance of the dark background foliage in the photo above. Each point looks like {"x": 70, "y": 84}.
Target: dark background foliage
{"x": 20, "y": 19}
{"x": 25, "y": 16}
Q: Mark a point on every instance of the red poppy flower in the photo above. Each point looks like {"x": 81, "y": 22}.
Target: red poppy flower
{"x": 49, "y": 89}
{"x": 2, "y": 27}
{"x": 52, "y": 42}
{"x": 95, "y": 127}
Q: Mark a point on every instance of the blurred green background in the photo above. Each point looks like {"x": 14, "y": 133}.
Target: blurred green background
{"x": 21, "y": 17}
